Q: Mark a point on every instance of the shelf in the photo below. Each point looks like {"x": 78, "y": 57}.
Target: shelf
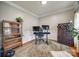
{"x": 13, "y": 34}
{"x": 12, "y": 27}
{"x": 16, "y": 34}
{"x": 12, "y": 22}
{"x": 6, "y": 37}
{"x": 8, "y": 40}
{"x": 10, "y": 43}
{"x": 12, "y": 46}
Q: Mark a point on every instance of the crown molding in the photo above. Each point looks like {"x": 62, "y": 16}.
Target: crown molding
{"x": 20, "y": 8}
{"x": 40, "y": 16}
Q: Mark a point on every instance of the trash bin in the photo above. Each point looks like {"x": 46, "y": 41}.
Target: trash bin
{"x": 1, "y": 52}
{"x": 9, "y": 53}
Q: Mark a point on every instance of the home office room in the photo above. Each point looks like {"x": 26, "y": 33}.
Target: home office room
{"x": 39, "y": 28}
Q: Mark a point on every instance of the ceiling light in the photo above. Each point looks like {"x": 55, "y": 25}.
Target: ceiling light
{"x": 44, "y": 2}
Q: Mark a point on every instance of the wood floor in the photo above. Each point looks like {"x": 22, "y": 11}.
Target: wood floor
{"x": 42, "y": 49}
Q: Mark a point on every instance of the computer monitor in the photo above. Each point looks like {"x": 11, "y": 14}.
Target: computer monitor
{"x": 36, "y": 28}
{"x": 45, "y": 27}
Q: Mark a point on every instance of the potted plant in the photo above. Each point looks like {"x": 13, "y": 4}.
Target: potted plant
{"x": 75, "y": 33}
{"x": 19, "y": 19}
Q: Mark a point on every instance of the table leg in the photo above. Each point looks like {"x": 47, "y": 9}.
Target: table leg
{"x": 35, "y": 40}
{"x": 47, "y": 39}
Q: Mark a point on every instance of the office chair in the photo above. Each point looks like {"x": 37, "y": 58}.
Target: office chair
{"x": 45, "y": 30}
{"x": 38, "y": 33}
{"x": 40, "y": 36}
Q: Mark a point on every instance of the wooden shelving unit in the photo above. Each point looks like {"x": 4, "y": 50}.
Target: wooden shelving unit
{"x": 11, "y": 34}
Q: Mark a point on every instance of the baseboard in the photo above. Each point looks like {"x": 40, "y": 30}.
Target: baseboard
{"x": 33, "y": 40}
{"x": 28, "y": 42}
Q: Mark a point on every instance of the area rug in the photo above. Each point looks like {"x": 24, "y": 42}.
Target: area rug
{"x": 40, "y": 50}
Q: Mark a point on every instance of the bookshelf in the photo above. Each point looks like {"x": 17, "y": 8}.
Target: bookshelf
{"x": 11, "y": 34}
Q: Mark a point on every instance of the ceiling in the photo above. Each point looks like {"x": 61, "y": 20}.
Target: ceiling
{"x": 36, "y": 8}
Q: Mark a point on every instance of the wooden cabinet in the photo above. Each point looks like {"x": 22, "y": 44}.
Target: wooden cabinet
{"x": 11, "y": 34}
{"x": 64, "y": 34}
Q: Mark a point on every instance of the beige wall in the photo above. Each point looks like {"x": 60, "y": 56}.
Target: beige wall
{"x": 54, "y": 20}
{"x": 8, "y": 12}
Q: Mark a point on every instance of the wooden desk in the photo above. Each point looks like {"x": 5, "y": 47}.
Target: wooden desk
{"x": 77, "y": 54}
{"x": 74, "y": 52}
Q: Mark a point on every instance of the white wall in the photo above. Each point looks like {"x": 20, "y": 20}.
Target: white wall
{"x": 54, "y": 20}
{"x": 8, "y": 12}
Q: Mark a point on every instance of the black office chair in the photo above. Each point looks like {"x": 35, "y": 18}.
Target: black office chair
{"x": 45, "y": 27}
{"x": 40, "y": 36}
{"x": 38, "y": 33}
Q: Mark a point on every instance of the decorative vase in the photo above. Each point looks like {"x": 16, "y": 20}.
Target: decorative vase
{"x": 18, "y": 21}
